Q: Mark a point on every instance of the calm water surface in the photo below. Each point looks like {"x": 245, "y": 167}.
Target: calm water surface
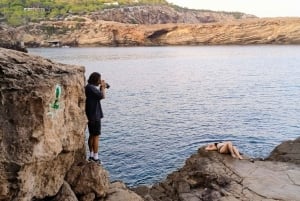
{"x": 166, "y": 102}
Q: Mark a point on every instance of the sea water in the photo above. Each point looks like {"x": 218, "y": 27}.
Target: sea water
{"x": 166, "y": 102}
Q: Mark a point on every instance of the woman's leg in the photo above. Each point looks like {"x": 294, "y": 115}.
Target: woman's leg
{"x": 227, "y": 148}
{"x": 224, "y": 149}
{"x": 236, "y": 152}
{"x": 230, "y": 147}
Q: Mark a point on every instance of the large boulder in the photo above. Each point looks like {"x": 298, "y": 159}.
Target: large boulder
{"x": 119, "y": 191}
{"x": 42, "y": 124}
{"x": 288, "y": 151}
{"x": 65, "y": 194}
{"x": 88, "y": 178}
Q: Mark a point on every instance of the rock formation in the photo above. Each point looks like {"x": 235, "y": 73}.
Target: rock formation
{"x": 210, "y": 176}
{"x": 42, "y": 153}
{"x": 103, "y": 33}
{"x": 288, "y": 151}
{"x": 8, "y": 39}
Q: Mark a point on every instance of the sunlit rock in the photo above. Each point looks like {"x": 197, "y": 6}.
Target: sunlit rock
{"x": 40, "y": 129}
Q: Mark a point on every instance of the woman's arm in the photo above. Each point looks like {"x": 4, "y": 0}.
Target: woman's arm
{"x": 211, "y": 147}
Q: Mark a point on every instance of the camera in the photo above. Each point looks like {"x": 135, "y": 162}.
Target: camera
{"x": 102, "y": 82}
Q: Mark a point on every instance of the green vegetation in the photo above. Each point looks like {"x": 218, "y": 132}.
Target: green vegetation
{"x": 19, "y": 12}
{"x": 236, "y": 15}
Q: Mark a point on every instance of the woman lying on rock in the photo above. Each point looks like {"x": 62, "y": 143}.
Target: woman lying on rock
{"x": 224, "y": 148}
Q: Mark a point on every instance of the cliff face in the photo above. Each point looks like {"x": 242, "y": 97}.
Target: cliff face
{"x": 42, "y": 152}
{"x": 103, "y": 33}
{"x": 38, "y": 142}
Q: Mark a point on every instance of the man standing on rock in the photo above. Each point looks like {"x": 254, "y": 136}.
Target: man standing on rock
{"x": 94, "y": 112}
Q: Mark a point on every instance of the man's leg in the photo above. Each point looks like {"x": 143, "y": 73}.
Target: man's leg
{"x": 96, "y": 146}
{"x": 90, "y": 143}
{"x": 90, "y": 139}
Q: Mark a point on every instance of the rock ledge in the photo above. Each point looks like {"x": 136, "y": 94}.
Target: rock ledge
{"x": 209, "y": 176}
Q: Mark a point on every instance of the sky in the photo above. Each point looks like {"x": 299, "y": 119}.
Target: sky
{"x": 260, "y": 8}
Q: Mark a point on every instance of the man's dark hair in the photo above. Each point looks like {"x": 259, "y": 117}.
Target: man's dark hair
{"x": 94, "y": 78}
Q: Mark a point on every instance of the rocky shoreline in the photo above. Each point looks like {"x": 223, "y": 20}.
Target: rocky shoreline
{"x": 42, "y": 153}
{"x": 208, "y": 176}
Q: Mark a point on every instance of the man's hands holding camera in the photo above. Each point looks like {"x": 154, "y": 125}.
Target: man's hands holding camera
{"x": 104, "y": 85}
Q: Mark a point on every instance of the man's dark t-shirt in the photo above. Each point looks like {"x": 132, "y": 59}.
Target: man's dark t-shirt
{"x": 93, "y": 108}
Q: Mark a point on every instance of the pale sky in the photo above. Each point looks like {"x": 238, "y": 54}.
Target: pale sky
{"x": 260, "y": 8}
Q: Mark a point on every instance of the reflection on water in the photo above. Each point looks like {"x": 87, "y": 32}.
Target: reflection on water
{"x": 166, "y": 102}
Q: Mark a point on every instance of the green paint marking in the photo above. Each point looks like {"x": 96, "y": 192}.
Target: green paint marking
{"x": 55, "y": 105}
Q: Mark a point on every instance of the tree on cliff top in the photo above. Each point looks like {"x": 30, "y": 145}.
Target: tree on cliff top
{"x": 19, "y": 12}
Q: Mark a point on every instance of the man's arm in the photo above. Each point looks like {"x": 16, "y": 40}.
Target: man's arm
{"x": 96, "y": 92}
{"x": 103, "y": 88}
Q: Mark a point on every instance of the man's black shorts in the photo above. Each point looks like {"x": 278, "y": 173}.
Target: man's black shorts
{"x": 94, "y": 127}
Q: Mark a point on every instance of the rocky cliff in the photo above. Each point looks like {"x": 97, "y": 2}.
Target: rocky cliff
{"x": 42, "y": 152}
{"x": 103, "y": 33}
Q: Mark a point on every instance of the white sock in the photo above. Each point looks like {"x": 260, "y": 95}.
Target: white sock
{"x": 91, "y": 154}
{"x": 96, "y": 156}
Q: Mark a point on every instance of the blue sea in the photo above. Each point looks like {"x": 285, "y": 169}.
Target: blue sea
{"x": 166, "y": 102}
